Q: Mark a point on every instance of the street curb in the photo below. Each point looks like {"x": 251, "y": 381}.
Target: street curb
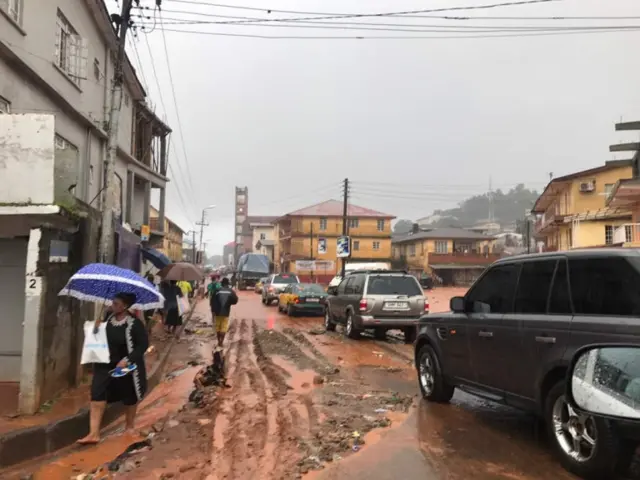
{"x": 18, "y": 446}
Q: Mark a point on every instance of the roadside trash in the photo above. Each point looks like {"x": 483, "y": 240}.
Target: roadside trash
{"x": 132, "y": 449}
{"x": 150, "y": 350}
{"x": 380, "y": 410}
{"x": 355, "y": 448}
{"x": 175, "y": 373}
{"x": 317, "y": 331}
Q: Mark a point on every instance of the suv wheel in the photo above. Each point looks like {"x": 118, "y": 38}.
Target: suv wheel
{"x": 430, "y": 378}
{"x": 329, "y": 324}
{"x": 410, "y": 334}
{"x": 587, "y": 446}
{"x": 350, "y": 329}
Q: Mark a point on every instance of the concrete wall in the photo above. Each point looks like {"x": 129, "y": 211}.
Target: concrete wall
{"x": 34, "y": 42}
{"x": 27, "y": 159}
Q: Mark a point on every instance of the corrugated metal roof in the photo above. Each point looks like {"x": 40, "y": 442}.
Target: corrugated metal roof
{"x": 443, "y": 233}
{"x": 333, "y": 208}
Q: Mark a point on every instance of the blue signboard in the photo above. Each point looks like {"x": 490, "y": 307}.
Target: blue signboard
{"x": 343, "y": 247}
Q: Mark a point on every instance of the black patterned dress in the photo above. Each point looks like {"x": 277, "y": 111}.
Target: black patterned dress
{"x": 127, "y": 338}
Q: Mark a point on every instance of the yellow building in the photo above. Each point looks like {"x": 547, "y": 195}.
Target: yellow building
{"x": 311, "y": 234}
{"x": 171, "y": 244}
{"x": 456, "y": 255}
{"x": 574, "y": 212}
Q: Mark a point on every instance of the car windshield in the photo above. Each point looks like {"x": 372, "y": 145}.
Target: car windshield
{"x": 285, "y": 279}
{"x": 311, "y": 288}
{"x": 393, "y": 285}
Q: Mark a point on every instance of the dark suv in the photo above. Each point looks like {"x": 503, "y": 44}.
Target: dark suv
{"x": 376, "y": 299}
{"x": 511, "y": 338}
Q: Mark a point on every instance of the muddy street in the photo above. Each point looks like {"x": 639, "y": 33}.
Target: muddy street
{"x": 303, "y": 403}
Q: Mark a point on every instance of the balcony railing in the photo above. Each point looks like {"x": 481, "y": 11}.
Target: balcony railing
{"x": 628, "y": 233}
{"x": 463, "y": 258}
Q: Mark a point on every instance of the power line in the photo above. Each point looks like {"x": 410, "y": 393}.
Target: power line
{"x": 349, "y": 25}
{"x": 414, "y": 28}
{"x": 397, "y": 37}
{"x": 327, "y": 15}
{"x": 408, "y": 17}
{"x": 175, "y": 104}
{"x": 164, "y": 108}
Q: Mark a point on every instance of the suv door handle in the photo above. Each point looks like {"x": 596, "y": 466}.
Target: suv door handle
{"x": 485, "y": 334}
{"x": 545, "y": 339}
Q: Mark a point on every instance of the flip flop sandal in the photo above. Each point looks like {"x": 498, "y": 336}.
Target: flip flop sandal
{"x": 121, "y": 372}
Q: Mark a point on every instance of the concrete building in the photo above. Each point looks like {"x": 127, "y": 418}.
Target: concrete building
{"x": 55, "y": 72}
{"x": 456, "y": 255}
{"x": 262, "y": 230}
{"x": 574, "y": 211}
{"x": 56, "y": 56}
{"x": 171, "y": 242}
{"x": 311, "y": 234}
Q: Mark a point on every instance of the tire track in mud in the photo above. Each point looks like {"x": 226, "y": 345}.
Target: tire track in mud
{"x": 258, "y": 423}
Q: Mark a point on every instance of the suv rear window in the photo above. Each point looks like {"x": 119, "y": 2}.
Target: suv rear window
{"x": 285, "y": 279}
{"x": 393, "y": 285}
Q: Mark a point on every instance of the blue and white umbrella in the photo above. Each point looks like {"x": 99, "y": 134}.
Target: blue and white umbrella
{"x": 99, "y": 282}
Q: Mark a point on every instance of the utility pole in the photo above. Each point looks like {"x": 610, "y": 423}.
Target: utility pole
{"x": 311, "y": 249}
{"x": 345, "y": 230}
{"x": 202, "y": 224}
{"x": 193, "y": 248}
{"x": 106, "y": 235}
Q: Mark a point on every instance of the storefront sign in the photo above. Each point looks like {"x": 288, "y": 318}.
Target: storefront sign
{"x": 145, "y": 232}
{"x": 315, "y": 265}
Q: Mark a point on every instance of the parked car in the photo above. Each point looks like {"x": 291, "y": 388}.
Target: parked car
{"x": 258, "y": 287}
{"x": 511, "y": 339}
{"x": 381, "y": 300}
{"x": 275, "y": 284}
{"x": 302, "y": 298}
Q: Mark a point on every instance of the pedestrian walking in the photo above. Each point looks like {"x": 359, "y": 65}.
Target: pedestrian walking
{"x": 172, "y": 319}
{"x": 127, "y": 341}
{"x": 221, "y": 304}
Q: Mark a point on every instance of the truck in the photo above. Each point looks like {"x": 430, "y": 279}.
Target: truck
{"x": 250, "y": 269}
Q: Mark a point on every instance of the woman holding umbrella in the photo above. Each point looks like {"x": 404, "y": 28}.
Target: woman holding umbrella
{"x": 128, "y": 341}
{"x": 123, "y": 378}
{"x": 172, "y": 275}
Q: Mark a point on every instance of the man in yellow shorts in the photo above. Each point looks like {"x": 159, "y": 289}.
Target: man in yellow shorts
{"x": 221, "y": 304}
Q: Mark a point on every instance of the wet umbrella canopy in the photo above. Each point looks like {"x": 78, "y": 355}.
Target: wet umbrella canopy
{"x": 181, "y": 271}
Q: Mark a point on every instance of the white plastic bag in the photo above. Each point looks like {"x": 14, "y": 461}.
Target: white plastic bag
{"x": 95, "y": 348}
{"x": 183, "y": 305}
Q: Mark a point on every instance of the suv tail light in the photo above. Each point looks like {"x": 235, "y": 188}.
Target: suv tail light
{"x": 363, "y": 305}
{"x": 426, "y": 305}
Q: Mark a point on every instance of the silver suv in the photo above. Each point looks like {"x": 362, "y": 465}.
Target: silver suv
{"x": 275, "y": 284}
{"x": 377, "y": 299}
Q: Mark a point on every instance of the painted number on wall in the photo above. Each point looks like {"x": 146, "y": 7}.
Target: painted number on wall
{"x": 33, "y": 285}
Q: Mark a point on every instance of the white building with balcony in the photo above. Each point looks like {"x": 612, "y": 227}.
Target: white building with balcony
{"x": 56, "y": 66}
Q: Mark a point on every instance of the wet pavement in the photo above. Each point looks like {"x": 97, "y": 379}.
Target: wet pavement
{"x": 294, "y": 392}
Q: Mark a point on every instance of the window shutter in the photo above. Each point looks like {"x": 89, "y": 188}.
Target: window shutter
{"x": 72, "y": 60}
{"x": 56, "y": 52}
{"x": 82, "y": 56}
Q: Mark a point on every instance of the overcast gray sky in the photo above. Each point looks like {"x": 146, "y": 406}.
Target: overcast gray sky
{"x": 415, "y": 124}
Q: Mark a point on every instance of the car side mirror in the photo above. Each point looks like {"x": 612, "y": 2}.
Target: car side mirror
{"x": 457, "y": 305}
{"x": 604, "y": 381}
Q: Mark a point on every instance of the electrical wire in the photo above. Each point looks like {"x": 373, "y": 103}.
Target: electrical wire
{"x": 417, "y": 29}
{"x": 175, "y": 104}
{"x": 172, "y": 144}
{"x": 350, "y": 25}
{"x": 396, "y": 37}
{"x": 330, "y": 188}
{"x": 326, "y": 15}
{"x": 408, "y": 17}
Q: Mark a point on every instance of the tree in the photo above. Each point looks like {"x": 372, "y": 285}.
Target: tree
{"x": 403, "y": 226}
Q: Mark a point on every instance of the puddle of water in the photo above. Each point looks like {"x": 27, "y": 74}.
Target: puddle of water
{"x": 300, "y": 380}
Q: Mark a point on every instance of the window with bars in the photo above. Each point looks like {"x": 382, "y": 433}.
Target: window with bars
{"x": 376, "y": 245}
{"x": 381, "y": 225}
{"x": 608, "y": 234}
{"x": 354, "y": 222}
{"x": 323, "y": 224}
{"x": 70, "y": 50}
{"x": 356, "y": 245}
{"x": 412, "y": 250}
{"x": 628, "y": 233}
{"x": 13, "y": 9}
{"x": 441, "y": 246}
{"x": 5, "y": 106}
